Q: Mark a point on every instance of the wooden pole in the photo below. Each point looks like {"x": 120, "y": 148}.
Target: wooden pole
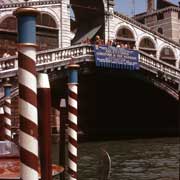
{"x": 7, "y": 111}
{"x": 62, "y": 135}
{"x": 72, "y": 120}
{"x": 28, "y": 135}
{"x": 44, "y": 120}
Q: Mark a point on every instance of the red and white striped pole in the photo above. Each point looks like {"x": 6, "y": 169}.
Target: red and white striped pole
{"x": 1, "y": 123}
{"x": 44, "y": 119}
{"x": 7, "y": 111}
{"x": 28, "y": 135}
{"x": 72, "y": 120}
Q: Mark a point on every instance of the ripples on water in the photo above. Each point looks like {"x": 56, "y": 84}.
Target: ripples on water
{"x": 140, "y": 159}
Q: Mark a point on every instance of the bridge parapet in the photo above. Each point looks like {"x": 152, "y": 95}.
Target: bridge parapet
{"x": 160, "y": 68}
{"x": 49, "y": 59}
{"x": 56, "y": 58}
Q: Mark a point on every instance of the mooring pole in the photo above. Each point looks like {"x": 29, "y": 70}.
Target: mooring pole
{"x": 44, "y": 121}
{"x": 7, "y": 111}
{"x": 28, "y": 136}
{"x": 62, "y": 136}
{"x": 1, "y": 123}
{"x": 72, "y": 120}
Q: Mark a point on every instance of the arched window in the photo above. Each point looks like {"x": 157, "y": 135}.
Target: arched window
{"x": 9, "y": 23}
{"x": 46, "y": 20}
{"x": 125, "y": 36}
{"x": 160, "y": 30}
{"x": 147, "y": 45}
{"x": 167, "y": 55}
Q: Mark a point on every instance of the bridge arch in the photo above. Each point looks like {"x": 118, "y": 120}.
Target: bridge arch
{"x": 148, "y": 45}
{"x": 126, "y": 34}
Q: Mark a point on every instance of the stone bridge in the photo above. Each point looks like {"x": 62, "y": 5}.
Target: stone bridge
{"x": 162, "y": 74}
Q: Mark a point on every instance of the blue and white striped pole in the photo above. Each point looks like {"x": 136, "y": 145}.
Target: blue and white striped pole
{"x": 7, "y": 111}
{"x": 26, "y": 17}
{"x": 72, "y": 120}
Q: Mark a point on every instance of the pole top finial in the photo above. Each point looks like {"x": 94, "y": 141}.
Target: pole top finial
{"x": 73, "y": 66}
{"x": 26, "y": 11}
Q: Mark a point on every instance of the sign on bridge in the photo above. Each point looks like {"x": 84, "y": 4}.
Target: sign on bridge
{"x": 117, "y": 58}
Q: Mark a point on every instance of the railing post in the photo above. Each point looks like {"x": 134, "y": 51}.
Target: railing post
{"x": 26, "y": 17}
{"x": 72, "y": 120}
{"x": 7, "y": 111}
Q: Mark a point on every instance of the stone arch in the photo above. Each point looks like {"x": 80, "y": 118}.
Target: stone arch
{"x": 4, "y": 15}
{"x": 9, "y": 23}
{"x": 148, "y": 45}
{"x": 167, "y": 54}
{"x": 51, "y": 13}
{"x": 126, "y": 34}
{"x": 45, "y": 19}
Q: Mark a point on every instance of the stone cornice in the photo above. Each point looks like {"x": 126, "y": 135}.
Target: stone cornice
{"x": 33, "y": 3}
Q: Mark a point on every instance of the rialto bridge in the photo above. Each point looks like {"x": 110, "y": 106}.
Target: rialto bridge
{"x": 61, "y": 39}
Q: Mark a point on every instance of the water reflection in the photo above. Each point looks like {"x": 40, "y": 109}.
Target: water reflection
{"x": 140, "y": 159}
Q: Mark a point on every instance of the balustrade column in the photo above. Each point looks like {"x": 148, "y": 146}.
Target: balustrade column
{"x": 7, "y": 111}
{"x": 72, "y": 120}
{"x": 28, "y": 135}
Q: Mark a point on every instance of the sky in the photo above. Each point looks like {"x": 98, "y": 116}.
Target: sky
{"x": 125, "y": 6}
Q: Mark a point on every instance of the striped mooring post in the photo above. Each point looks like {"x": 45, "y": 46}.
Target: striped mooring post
{"x": 72, "y": 120}
{"x": 1, "y": 123}
{"x": 44, "y": 121}
{"x": 28, "y": 135}
{"x": 7, "y": 111}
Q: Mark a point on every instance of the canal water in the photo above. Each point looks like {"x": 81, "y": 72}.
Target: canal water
{"x": 134, "y": 159}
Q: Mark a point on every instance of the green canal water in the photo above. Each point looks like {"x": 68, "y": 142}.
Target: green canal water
{"x": 136, "y": 159}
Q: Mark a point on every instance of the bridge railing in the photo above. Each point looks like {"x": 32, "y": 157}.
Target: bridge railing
{"x": 159, "y": 67}
{"x": 58, "y": 57}
{"x": 48, "y": 59}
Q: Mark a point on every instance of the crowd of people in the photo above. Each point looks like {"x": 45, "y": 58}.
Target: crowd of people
{"x": 115, "y": 43}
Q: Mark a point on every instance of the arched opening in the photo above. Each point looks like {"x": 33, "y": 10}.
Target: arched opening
{"x": 47, "y": 32}
{"x": 88, "y": 21}
{"x": 8, "y": 36}
{"x": 148, "y": 46}
{"x": 114, "y": 103}
{"x": 125, "y": 38}
{"x": 167, "y": 55}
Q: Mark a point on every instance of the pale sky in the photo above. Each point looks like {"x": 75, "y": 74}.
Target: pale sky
{"x": 125, "y": 6}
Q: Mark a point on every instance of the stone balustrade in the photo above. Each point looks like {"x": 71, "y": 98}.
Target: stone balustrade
{"x": 49, "y": 59}
{"x": 159, "y": 67}
{"x": 56, "y": 58}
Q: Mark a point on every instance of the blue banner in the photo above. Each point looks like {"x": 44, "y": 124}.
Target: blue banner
{"x": 117, "y": 58}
